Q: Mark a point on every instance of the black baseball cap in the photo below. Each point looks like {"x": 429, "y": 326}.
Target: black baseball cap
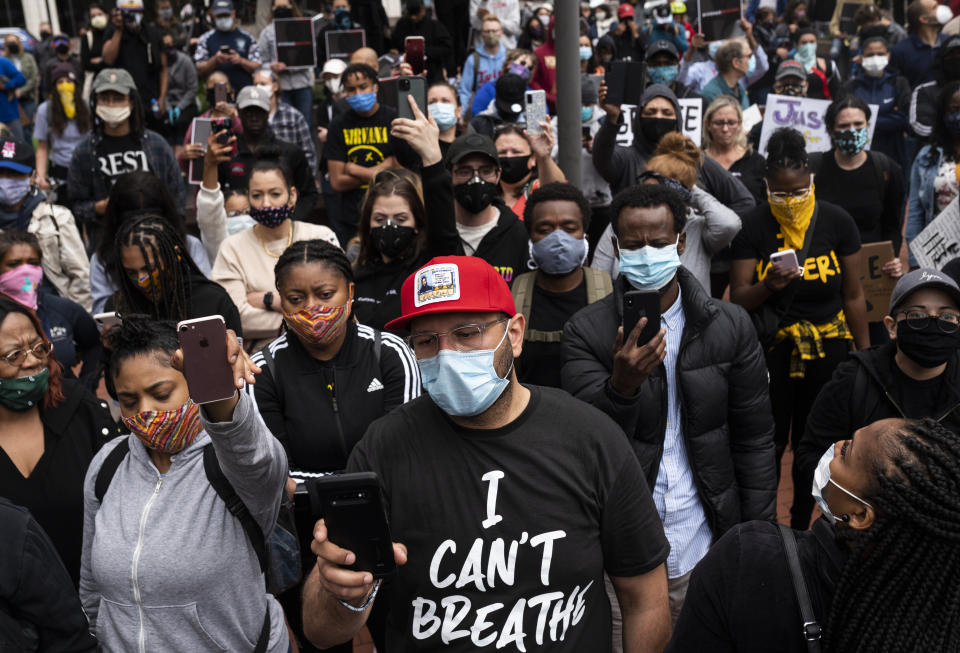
{"x": 221, "y": 7}
{"x": 922, "y": 278}
{"x": 469, "y": 144}
{"x": 17, "y": 156}
{"x": 662, "y": 46}
{"x": 510, "y": 89}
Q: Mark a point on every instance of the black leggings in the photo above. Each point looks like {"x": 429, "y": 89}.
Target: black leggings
{"x": 791, "y": 400}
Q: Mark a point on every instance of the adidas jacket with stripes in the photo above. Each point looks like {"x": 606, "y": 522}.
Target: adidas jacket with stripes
{"x": 320, "y": 409}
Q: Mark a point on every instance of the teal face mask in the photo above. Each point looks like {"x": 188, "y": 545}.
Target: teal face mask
{"x": 585, "y": 53}
{"x": 650, "y": 268}
{"x": 25, "y": 392}
{"x": 586, "y": 113}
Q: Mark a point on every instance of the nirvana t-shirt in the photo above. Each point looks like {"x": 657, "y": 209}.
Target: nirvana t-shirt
{"x": 541, "y": 362}
{"x": 918, "y": 399}
{"x": 820, "y": 293}
{"x": 119, "y": 154}
{"x": 509, "y": 531}
{"x": 366, "y": 141}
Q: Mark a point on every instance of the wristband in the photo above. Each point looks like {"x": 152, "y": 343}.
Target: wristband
{"x": 366, "y": 604}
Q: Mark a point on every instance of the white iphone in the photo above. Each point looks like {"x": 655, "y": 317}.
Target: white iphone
{"x": 785, "y": 260}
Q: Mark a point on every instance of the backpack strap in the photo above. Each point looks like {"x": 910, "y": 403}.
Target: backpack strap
{"x": 235, "y": 505}
{"x": 522, "y": 291}
{"x": 109, "y": 468}
{"x": 599, "y": 284}
{"x": 811, "y": 629}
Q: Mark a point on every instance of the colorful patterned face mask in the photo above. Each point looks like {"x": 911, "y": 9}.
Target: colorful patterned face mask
{"x": 167, "y": 431}
{"x": 318, "y": 324}
{"x": 149, "y": 284}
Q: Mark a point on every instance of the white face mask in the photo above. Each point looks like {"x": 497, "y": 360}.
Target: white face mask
{"x": 223, "y": 23}
{"x": 334, "y": 84}
{"x": 266, "y": 88}
{"x": 99, "y": 21}
{"x": 821, "y": 477}
{"x": 875, "y": 65}
{"x": 113, "y": 116}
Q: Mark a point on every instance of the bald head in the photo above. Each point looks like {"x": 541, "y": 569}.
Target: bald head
{"x": 367, "y": 56}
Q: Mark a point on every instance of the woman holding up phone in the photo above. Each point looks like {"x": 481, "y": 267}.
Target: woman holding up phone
{"x": 806, "y": 314}
{"x": 154, "y": 574}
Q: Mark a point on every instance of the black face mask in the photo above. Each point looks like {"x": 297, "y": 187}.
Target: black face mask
{"x": 13, "y": 48}
{"x": 392, "y": 239}
{"x": 653, "y": 129}
{"x": 283, "y": 12}
{"x": 45, "y": 34}
{"x": 514, "y": 168}
{"x": 927, "y": 347}
{"x": 475, "y": 195}
{"x": 63, "y": 49}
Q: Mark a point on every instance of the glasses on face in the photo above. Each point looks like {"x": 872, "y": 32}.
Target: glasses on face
{"x": 16, "y": 357}
{"x": 800, "y": 194}
{"x": 919, "y": 320}
{"x": 725, "y": 124}
{"x": 468, "y": 337}
{"x": 466, "y": 173}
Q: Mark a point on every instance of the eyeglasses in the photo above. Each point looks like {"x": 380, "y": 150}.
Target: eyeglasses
{"x": 466, "y": 173}
{"x": 725, "y": 124}
{"x": 919, "y": 320}
{"x": 16, "y": 357}
{"x": 468, "y": 337}
{"x": 801, "y": 194}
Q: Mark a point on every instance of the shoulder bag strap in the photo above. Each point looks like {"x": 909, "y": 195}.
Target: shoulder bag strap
{"x": 787, "y": 299}
{"x": 811, "y": 629}
{"x": 109, "y": 468}
{"x": 235, "y": 504}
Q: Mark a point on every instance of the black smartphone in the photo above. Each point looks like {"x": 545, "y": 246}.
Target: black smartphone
{"x": 205, "y": 366}
{"x": 353, "y": 508}
{"x": 221, "y": 127}
{"x": 638, "y": 304}
{"x": 225, "y": 49}
{"x": 625, "y": 82}
{"x": 407, "y": 86}
{"x": 219, "y": 92}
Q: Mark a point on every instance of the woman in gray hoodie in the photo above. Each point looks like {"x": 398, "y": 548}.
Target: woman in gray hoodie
{"x": 165, "y": 565}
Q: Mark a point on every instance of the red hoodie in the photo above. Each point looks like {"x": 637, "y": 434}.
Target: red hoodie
{"x": 546, "y": 77}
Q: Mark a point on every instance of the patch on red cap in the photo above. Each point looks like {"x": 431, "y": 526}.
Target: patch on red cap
{"x": 437, "y": 283}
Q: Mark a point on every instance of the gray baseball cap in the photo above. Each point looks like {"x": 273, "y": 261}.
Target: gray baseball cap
{"x": 922, "y": 278}
{"x": 253, "y": 96}
{"x": 113, "y": 79}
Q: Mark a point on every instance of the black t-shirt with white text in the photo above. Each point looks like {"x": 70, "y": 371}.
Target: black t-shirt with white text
{"x": 540, "y": 362}
{"x": 119, "y": 154}
{"x": 820, "y": 295}
{"x": 509, "y": 531}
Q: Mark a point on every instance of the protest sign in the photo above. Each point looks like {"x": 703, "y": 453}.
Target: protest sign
{"x": 199, "y": 134}
{"x": 877, "y": 286}
{"x": 343, "y": 43}
{"x": 691, "y": 119}
{"x": 717, "y": 20}
{"x": 296, "y": 42}
{"x": 939, "y": 242}
{"x": 806, "y": 116}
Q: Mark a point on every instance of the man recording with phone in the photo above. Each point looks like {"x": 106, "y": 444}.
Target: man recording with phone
{"x": 227, "y": 47}
{"x": 691, "y": 395}
{"x": 546, "y": 497}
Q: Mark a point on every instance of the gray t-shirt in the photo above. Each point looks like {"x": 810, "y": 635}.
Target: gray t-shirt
{"x": 61, "y": 145}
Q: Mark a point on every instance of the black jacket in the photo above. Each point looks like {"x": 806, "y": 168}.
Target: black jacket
{"x": 377, "y": 290}
{"x": 320, "y": 409}
{"x": 39, "y": 608}
{"x": 438, "y": 42}
{"x": 741, "y": 595}
{"x": 860, "y": 393}
{"x": 505, "y": 247}
{"x": 722, "y": 378}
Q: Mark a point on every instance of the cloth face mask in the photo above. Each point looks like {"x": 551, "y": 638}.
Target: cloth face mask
{"x": 166, "y": 431}
{"x": 318, "y": 324}
{"x": 21, "y": 284}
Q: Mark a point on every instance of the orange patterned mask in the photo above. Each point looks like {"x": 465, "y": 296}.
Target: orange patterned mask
{"x": 318, "y": 324}
{"x": 167, "y": 431}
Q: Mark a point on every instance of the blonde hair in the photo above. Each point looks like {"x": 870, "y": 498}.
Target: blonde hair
{"x": 677, "y": 157}
{"x": 721, "y": 102}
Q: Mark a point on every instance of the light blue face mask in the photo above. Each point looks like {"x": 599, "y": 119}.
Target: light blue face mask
{"x": 820, "y": 479}
{"x": 585, "y": 53}
{"x": 586, "y": 113}
{"x": 559, "y": 253}
{"x": 362, "y": 102}
{"x": 650, "y": 268}
{"x": 712, "y": 49}
{"x": 223, "y": 23}
{"x": 464, "y": 383}
{"x": 445, "y": 115}
{"x": 13, "y": 189}
{"x": 752, "y": 66}
{"x": 807, "y": 55}
{"x": 663, "y": 74}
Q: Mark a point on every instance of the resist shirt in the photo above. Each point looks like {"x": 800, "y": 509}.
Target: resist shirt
{"x": 119, "y": 154}
{"x": 820, "y": 295}
{"x": 509, "y": 530}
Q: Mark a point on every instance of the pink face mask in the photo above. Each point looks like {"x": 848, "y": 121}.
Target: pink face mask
{"x": 21, "y": 284}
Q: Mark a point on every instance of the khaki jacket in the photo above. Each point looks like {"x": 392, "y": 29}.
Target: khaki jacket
{"x": 65, "y": 262}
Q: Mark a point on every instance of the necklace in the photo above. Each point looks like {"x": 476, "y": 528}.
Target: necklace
{"x": 264, "y": 245}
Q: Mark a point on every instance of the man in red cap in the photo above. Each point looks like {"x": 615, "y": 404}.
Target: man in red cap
{"x": 511, "y": 502}
{"x": 626, "y": 35}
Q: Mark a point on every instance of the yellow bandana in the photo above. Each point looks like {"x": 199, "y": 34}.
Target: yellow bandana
{"x": 66, "y": 90}
{"x": 793, "y": 215}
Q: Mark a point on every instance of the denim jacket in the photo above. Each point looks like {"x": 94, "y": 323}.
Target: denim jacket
{"x": 922, "y": 202}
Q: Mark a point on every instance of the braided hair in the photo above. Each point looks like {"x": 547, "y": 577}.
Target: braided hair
{"x": 786, "y": 150}
{"x": 312, "y": 251}
{"x": 138, "y": 336}
{"x": 164, "y": 249}
{"x": 898, "y": 591}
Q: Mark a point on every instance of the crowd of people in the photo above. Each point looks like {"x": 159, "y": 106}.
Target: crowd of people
{"x": 578, "y": 399}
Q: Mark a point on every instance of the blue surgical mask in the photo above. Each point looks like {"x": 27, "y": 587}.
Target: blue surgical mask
{"x": 712, "y": 49}
{"x": 586, "y": 113}
{"x": 362, "y": 102}
{"x": 445, "y": 115}
{"x": 464, "y": 383}
{"x": 559, "y": 253}
{"x": 585, "y": 53}
{"x": 650, "y": 268}
{"x": 752, "y": 66}
{"x": 223, "y": 23}
{"x": 820, "y": 479}
{"x": 663, "y": 74}
{"x": 12, "y": 190}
